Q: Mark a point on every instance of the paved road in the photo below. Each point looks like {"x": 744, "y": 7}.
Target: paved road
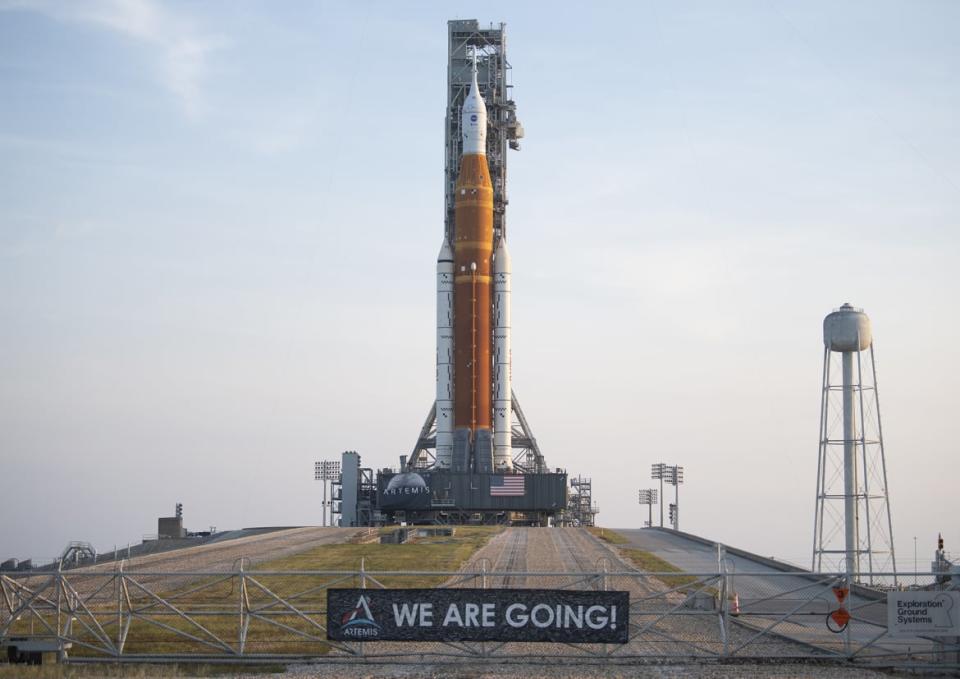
{"x": 225, "y": 556}
{"x": 767, "y": 593}
{"x": 211, "y": 557}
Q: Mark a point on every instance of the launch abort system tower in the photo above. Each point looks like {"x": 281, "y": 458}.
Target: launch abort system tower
{"x": 475, "y": 458}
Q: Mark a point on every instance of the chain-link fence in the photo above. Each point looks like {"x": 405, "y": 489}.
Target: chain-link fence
{"x": 262, "y": 615}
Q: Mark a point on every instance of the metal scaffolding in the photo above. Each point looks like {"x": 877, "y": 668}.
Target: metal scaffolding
{"x": 581, "y": 510}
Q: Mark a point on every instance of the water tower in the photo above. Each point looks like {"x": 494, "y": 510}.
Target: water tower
{"x": 853, "y": 531}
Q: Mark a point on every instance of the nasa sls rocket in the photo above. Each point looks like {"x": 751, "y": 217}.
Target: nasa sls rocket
{"x": 473, "y": 317}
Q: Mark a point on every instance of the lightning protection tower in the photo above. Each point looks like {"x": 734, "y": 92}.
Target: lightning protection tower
{"x": 853, "y": 531}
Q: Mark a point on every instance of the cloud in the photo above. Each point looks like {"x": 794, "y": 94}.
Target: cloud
{"x": 183, "y": 49}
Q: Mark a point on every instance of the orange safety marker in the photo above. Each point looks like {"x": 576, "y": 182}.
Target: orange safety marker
{"x": 840, "y": 616}
{"x": 735, "y": 604}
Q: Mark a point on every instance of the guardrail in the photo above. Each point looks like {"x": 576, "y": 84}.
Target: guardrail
{"x": 256, "y": 615}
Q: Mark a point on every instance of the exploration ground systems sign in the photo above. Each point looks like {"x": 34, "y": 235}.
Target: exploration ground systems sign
{"x": 923, "y": 613}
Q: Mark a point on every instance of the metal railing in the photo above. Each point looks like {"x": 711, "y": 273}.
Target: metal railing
{"x": 276, "y": 615}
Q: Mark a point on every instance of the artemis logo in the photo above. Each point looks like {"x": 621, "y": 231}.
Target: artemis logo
{"x": 359, "y": 622}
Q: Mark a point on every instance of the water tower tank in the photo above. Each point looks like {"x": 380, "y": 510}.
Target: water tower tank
{"x": 844, "y": 327}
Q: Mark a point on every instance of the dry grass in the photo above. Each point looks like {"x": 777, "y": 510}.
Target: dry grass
{"x": 434, "y": 553}
{"x": 607, "y": 535}
{"x": 651, "y": 563}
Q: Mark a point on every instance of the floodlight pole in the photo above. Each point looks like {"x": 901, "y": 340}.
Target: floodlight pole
{"x": 676, "y": 478}
{"x": 676, "y": 500}
{"x": 656, "y": 472}
{"x": 674, "y": 475}
{"x": 326, "y": 471}
{"x": 661, "y": 497}
{"x": 647, "y": 497}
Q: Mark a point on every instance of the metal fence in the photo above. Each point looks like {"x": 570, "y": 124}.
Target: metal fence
{"x": 281, "y": 615}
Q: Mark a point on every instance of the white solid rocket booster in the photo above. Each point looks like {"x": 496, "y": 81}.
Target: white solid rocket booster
{"x": 502, "y": 392}
{"x": 444, "y": 450}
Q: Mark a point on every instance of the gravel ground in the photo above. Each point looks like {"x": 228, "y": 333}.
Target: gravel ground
{"x": 763, "y": 670}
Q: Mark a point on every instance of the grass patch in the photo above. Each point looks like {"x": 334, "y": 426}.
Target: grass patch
{"x": 433, "y": 553}
{"x": 607, "y": 535}
{"x": 652, "y": 563}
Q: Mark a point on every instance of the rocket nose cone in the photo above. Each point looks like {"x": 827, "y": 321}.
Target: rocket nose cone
{"x": 501, "y": 257}
{"x": 446, "y": 252}
{"x": 445, "y": 259}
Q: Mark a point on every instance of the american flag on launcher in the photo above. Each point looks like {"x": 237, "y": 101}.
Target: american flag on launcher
{"x": 507, "y": 486}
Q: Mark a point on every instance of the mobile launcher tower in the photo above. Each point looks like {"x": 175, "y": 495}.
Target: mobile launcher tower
{"x": 476, "y": 459}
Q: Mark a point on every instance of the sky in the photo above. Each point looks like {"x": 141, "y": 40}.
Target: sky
{"x": 219, "y": 224}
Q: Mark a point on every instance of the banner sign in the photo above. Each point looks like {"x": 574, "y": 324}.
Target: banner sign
{"x": 407, "y": 491}
{"x": 478, "y": 615}
{"x": 919, "y": 612}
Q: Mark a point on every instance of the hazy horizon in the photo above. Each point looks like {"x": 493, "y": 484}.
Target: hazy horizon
{"x": 219, "y": 225}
